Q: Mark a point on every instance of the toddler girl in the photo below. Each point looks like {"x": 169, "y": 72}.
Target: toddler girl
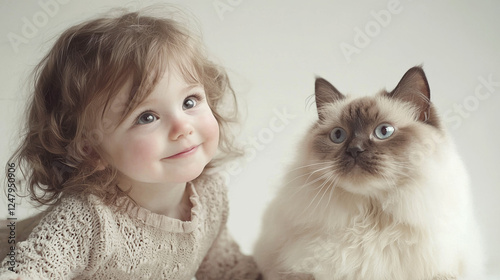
{"x": 123, "y": 127}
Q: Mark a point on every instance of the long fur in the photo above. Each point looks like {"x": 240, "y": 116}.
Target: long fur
{"x": 407, "y": 216}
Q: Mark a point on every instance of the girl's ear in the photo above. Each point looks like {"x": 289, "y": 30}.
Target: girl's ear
{"x": 97, "y": 160}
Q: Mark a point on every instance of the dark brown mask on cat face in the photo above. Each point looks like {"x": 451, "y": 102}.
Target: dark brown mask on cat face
{"x": 370, "y": 141}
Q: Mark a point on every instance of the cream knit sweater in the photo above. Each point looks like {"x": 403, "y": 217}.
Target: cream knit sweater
{"x": 84, "y": 239}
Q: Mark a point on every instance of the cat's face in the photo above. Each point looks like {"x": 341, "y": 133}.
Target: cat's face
{"x": 372, "y": 144}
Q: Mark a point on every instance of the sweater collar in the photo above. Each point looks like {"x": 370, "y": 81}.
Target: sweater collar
{"x": 164, "y": 222}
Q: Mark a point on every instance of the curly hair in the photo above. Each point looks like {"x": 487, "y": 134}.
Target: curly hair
{"x": 76, "y": 81}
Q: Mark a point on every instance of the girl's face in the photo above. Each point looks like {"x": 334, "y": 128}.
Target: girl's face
{"x": 169, "y": 138}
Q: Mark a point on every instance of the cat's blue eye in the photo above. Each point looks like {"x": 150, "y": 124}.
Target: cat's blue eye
{"x": 338, "y": 135}
{"x": 146, "y": 118}
{"x": 384, "y": 131}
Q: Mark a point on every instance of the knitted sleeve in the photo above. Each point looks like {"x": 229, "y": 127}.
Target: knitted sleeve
{"x": 67, "y": 242}
{"x": 224, "y": 260}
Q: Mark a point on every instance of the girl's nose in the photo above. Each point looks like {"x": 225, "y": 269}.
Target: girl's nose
{"x": 179, "y": 127}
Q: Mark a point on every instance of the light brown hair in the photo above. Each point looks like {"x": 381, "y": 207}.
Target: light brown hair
{"x": 75, "y": 83}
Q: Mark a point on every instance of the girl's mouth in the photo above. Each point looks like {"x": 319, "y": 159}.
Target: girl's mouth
{"x": 187, "y": 152}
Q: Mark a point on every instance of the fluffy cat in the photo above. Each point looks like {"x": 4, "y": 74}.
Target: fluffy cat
{"x": 377, "y": 192}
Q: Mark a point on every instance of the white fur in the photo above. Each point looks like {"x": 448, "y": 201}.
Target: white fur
{"x": 424, "y": 229}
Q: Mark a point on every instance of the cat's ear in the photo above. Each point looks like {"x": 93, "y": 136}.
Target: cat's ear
{"x": 414, "y": 88}
{"x": 325, "y": 93}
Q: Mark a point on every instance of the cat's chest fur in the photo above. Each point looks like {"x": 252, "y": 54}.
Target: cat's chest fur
{"x": 352, "y": 237}
{"x": 362, "y": 244}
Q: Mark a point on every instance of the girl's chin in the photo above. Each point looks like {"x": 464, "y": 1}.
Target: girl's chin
{"x": 187, "y": 176}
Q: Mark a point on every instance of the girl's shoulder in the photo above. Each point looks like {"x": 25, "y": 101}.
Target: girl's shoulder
{"x": 72, "y": 215}
{"x": 80, "y": 206}
{"x": 71, "y": 234}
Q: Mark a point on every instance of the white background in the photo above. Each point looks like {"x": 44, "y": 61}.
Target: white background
{"x": 274, "y": 49}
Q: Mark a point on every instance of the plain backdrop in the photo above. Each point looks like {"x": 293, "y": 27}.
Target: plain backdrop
{"x": 273, "y": 50}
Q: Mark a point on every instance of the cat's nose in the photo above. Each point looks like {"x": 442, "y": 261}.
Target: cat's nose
{"x": 355, "y": 150}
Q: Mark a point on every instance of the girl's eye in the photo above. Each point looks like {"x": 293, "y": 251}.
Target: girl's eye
{"x": 146, "y": 118}
{"x": 384, "y": 131}
{"x": 189, "y": 103}
{"x": 338, "y": 135}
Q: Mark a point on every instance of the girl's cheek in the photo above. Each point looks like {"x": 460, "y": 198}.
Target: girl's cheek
{"x": 211, "y": 128}
{"x": 142, "y": 150}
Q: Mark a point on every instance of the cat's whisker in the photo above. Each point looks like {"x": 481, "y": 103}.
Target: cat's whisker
{"x": 320, "y": 177}
{"x": 330, "y": 175}
{"x": 309, "y": 165}
{"x": 332, "y": 188}
{"x": 329, "y": 187}
{"x": 389, "y": 181}
{"x": 308, "y": 174}
{"x": 401, "y": 172}
{"x": 310, "y": 101}
{"x": 401, "y": 167}
{"x": 307, "y": 184}
{"x": 321, "y": 187}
